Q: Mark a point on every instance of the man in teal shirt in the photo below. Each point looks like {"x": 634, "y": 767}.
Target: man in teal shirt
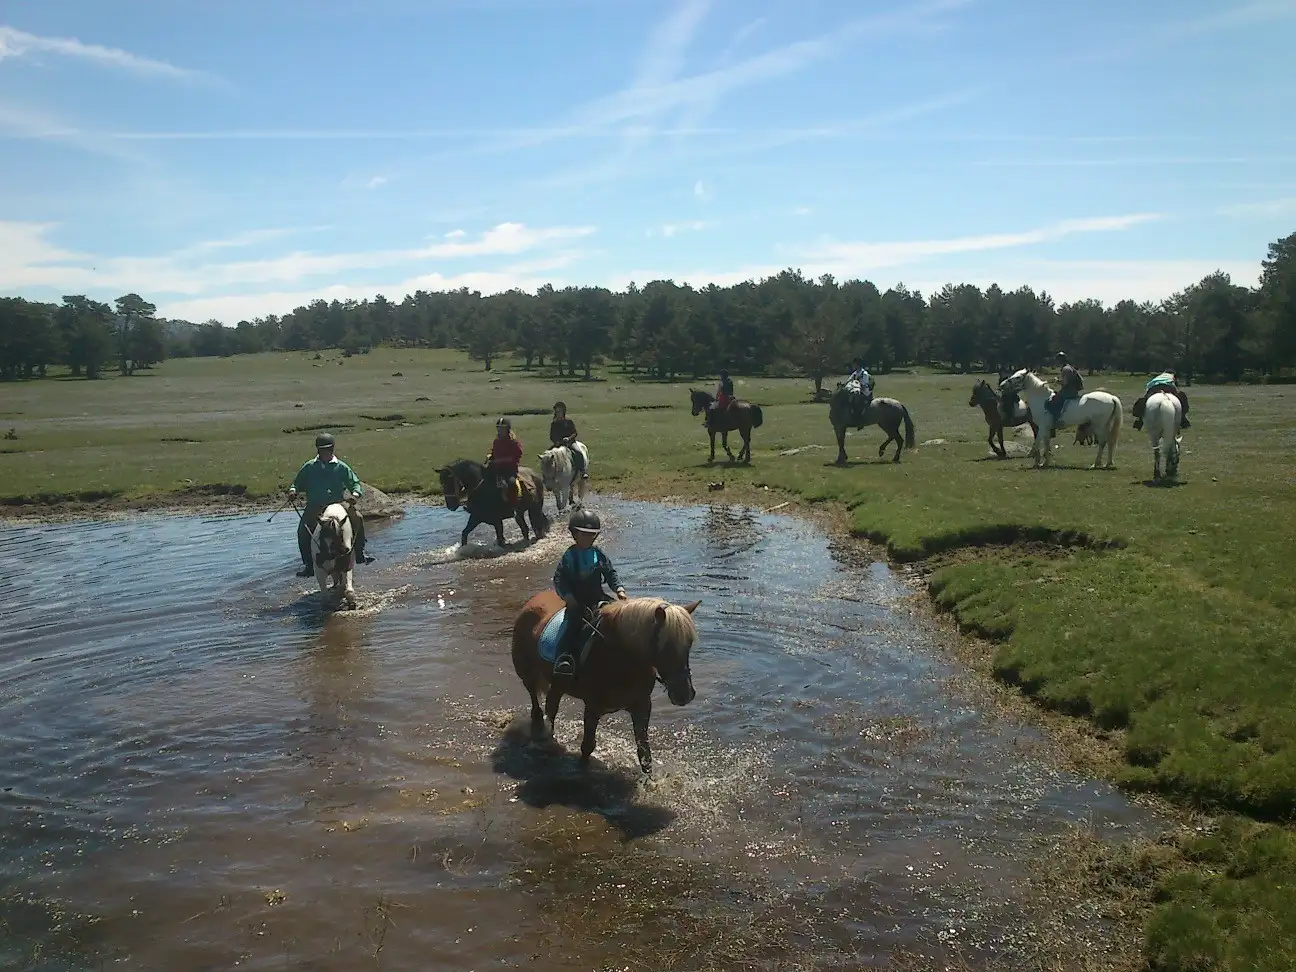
{"x": 326, "y": 479}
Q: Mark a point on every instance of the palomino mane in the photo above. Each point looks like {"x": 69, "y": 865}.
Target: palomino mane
{"x": 637, "y": 616}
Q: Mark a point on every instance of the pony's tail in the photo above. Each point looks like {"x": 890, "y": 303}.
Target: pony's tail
{"x": 757, "y": 417}
{"x": 1114, "y": 425}
{"x": 909, "y": 429}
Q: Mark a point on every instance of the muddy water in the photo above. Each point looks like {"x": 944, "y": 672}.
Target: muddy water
{"x": 203, "y": 770}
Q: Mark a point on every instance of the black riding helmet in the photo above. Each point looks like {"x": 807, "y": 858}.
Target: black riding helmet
{"x": 503, "y": 423}
{"x": 558, "y": 405}
{"x": 584, "y": 521}
{"x": 324, "y": 441}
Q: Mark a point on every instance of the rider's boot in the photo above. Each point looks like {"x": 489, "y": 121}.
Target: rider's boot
{"x": 304, "y": 548}
{"x": 565, "y": 663}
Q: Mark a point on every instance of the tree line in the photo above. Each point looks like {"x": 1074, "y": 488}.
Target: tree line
{"x": 1214, "y": 330}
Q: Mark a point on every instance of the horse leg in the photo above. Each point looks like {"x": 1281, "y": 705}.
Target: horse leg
{"x": 841, "y": 444}
{"x": 882, "y": 447}
{"x": 745, "y": 453}
{"x": 552, "y": 700}
{"x": 899, "y": 445}
{"x": 724, "y": 441}
{"x": 587, "y": 740}
{"x": 537, "y": 716}
{"x": 711, "y": 432}
{"x": 639, "y": 717}
{"x": 520, "y": 519}
{"x": 1156, "y": 463}
{"x": 473, "y": 523}
{"x": 348, "y": 591}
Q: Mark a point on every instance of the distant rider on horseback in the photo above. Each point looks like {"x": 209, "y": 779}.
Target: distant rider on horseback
{"x": 724, "y": 397}
{"x": 325, "y": 480}
{"x": 1072, "y": 385}
{"x": 504, "y": 458}
{"x": 562, "y": 432}
{"x": 1167, "y": 381}
{"x": 579, "y": 581}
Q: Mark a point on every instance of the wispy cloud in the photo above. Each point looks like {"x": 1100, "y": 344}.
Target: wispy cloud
{"x": 29, "y": 260}
{"x": 1140, "y": 41}
{"x": 703, "y": 192}
{"x": 863, "y": 256}
{"x": 669, "y": 230}
{"x": 1268, "y": 207}
{"x": 16, "y": 43}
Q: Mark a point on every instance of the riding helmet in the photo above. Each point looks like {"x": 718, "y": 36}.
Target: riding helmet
{"x": 558, "y": 405}
{"x": 584, "y": 521}
{"x": 1061, "y": 355}
{"x": 324, "y": 441}
{"x": 503, "y": 423}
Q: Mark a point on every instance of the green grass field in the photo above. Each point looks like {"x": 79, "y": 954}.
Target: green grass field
{"x": 1164, "y": 615}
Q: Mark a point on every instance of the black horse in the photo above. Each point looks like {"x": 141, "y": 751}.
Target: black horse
{"x": 466, "y": 483}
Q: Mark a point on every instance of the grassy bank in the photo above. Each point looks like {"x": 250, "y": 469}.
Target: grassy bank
{"x": 1163, "y": 615}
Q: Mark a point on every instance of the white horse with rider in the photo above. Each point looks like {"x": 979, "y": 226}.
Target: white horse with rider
{"x": 560, "y": 477}
{"x": 333, "y": 555}
{"x": 1102, "y": 410}
{"x": 1163, "y": 419}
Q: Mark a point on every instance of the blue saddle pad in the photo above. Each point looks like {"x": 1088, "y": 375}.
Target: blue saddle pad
{"x": 552, "y": 635}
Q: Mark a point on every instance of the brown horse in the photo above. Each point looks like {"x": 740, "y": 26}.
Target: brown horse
{"x": 845, "y": 409}
{"x": 640, "y": 641}
{"x": 740, "y": 416}
{"x": 997, "y": 414}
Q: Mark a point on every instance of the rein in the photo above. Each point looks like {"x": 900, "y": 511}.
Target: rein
{"x": 654, "y": 649}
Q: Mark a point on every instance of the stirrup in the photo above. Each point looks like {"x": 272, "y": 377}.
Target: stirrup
{"x": 565, "y": 665}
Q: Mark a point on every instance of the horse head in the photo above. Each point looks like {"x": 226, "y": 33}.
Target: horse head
{"x": 701, "y": 400}
{"x": 981, "y": 393}
{"x": 673, "y": 637}
{"x": 1016, "y": 381}
{"x": 332, "y": 536}
{"x": 549, "y": 467}
{"x": 458, "y": 481}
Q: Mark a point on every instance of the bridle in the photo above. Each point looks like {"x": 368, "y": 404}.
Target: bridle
{"x": 341, "y": 555}
{"x": 654, "y": 652}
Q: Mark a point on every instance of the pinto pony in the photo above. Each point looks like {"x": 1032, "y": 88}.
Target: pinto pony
{"x": 559, "y": 475}
{"x": 997, "y": 415}
{"x": 639, "y": 642}
{"x": 333, "y": 554}
{"x": 739, "y": 416}
{"x": 1100, "y": 409}
{"x": 1163, "y": 418}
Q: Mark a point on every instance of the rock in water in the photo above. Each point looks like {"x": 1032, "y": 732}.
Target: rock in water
{"x": 374, "y": 504}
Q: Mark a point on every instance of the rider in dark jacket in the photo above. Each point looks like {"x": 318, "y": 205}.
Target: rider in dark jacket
{"x": 562, "y": 432}
{"x": 579, "y": 580}
{"x": 1072, "y": 385}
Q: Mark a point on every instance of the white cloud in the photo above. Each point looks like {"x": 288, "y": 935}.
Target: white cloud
{"x": 16, "y": 43}
{"x": 455, "y": 234}
{"x": 28, "y": 260}
{"x": 669, "y": 230}
{"x": 802, "y": 211}
{"x": 663, "y": 55}
{"x": 856, "y": 257}
{"x": 702, "y": 191}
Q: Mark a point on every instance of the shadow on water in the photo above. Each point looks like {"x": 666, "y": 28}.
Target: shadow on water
{"x": 549, "y": 775}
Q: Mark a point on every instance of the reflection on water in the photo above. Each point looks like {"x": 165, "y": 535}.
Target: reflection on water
{"x": 203, "y": 768}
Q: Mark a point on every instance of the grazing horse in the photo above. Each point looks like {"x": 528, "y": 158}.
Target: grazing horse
{"x": 333, "y": 552}
{"x": 999, "y": 415}
{"x": 1100, "y": 408}
{"x": 639, "y": 642}
{"x": 559, "y": 475}
{"x": 846, "y": 408}
{"x": 466, "y": 483}
{"x": 740, "y": 416}
{"x": 1163, "y": 418}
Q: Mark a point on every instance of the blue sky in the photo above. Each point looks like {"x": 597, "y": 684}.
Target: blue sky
{"x": 238, "y": 158}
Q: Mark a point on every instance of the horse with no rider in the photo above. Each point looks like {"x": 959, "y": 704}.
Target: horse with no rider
{"x": 1163, "y": 416}
{"x": 725, "y": 414}
{"x": 852, "y": 404}
{"x": 1001, "y": 411}
{"x": 610, "y": 654}
{"x": 494, "y": 492}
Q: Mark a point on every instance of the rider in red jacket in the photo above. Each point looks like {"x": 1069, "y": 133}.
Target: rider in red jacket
{"x": 504, "y": 458}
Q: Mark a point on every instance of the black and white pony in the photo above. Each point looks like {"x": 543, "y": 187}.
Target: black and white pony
{"x": 559, "y": 474}
{"x": 333, "y": 555}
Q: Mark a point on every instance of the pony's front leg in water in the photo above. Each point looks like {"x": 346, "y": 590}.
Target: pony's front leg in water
{"x": 639, "y": 718}
{"x": 347, "y": 595}
{"x": 473, "y": 523}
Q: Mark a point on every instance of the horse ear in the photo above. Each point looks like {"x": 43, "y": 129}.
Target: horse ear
{"x": 690, "y": 608}
{"x": 660, "y": 613}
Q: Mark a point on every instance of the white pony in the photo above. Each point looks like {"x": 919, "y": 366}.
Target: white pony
{"x": 333, "y": 547}
{"x": 1162, "y": 417}
{"x": 1100, "y": 408}
{"x": 560, "y": 477}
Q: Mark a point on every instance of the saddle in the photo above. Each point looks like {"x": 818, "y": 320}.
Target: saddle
{"x": 552, "y": 635}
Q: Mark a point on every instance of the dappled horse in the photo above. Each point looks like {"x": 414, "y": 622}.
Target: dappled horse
{"x": 467, "y": 483}
{"x": 638, "y": 642}
{"x": 1000, "y": 413}
{"x": 1163, "y": 418}
{"x": 333, "y": 555}
{"x": 1102, "y": 410}
{"x": 740, "y": 416}
{"x": 559, "y": 475}
{"x": 850, "y": 407}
